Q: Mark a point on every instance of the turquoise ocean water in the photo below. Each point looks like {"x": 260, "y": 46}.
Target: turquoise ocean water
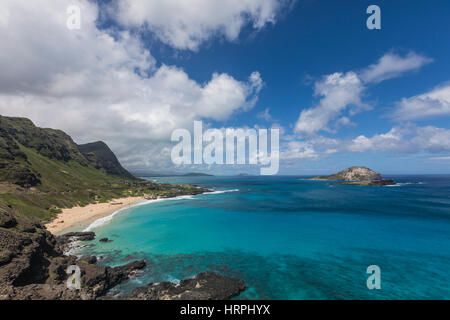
{"x": 290, "y": 238}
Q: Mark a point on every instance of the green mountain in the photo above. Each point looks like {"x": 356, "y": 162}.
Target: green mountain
{"x": 101, "y": 157}
{"x": 29, "y": 154}
{"x": 44, "y": 170}
{"x": 50, "y": 171}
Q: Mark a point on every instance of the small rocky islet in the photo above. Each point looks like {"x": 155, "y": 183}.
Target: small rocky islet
{"x": 357, "y": 175}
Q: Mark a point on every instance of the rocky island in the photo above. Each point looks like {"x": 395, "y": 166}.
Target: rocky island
{"x": 357, "y": 175}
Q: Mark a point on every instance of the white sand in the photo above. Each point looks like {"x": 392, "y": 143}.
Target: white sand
{"x": 80, "y": 217}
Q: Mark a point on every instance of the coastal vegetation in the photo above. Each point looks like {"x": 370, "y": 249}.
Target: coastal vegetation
{"x": 44, "y": 170}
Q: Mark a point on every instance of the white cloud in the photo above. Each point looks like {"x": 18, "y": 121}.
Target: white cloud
{"x": 430, "y": 104}
{"x": 41, "y": 49}
{"x": 445, "y": 159}
{"x": 313, "y": 148}
{"x": 265, "y": 115}
{"x": 342, "y": 92}
{"x": 338, "y": 92}
{"x": 297, "y": 150}
{"x": 187, "y": 24}
{"x": 98, "y": 86}
{"x": 345, "y": 121}
{"x": 407, "y": 139}
{"x": 392, "y": 65}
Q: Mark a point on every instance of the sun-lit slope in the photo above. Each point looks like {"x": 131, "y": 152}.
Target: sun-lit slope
{"x": 42, "y": 170}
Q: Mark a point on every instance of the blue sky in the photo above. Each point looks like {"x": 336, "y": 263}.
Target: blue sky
{"x": 317, "y": 38}
{"x": 395, "y": 108}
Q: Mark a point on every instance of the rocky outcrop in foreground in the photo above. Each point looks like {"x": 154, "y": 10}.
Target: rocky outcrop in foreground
{"x": 357, "y": 176}
{"x": 33, "y": 266}
{"x": 205, "y": 286}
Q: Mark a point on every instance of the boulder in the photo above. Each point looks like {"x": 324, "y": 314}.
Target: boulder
{"x": 204, "y": 286}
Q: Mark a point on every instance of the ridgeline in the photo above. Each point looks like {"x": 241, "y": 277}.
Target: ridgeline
{"x": 44, "y": 170}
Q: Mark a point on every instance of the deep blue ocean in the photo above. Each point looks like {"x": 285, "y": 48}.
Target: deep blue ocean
{"x": 291, "y": 238}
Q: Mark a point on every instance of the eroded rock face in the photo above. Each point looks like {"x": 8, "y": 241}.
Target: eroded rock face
{"x": 99, "y": 279}
{"x": 64, "y": 241}
{"x": 7, "y": 220}
{"x": 33, "y": 266}
{"x": 353, "y": 174}
{"x": 205, "y": 286}
{"x": 25, "y": 256}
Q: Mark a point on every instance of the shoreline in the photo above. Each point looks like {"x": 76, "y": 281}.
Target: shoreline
{"x": 86, "y": 218}
{"x": 82, "y": 217}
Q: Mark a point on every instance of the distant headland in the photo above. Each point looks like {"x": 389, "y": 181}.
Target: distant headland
{"x": 154, "y": 175}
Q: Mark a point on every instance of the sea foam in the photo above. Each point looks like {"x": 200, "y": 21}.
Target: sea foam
{"x": 401, "y": 184}
{"x": 102, "y": 221}
{"x": 221, "y": 191}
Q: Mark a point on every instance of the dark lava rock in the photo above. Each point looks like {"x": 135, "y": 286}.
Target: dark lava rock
{"x": 57, "y": 269}
{"x": 88, "y": 259}
{"x": 25, "y": 256}
{"x": 205, "y": 286}
{"x": 367, "y": 183}
{"x": 388, "y": 182}
{"x": 33, "y": 266}
{"x": 63, "y": 242}
{"x": 105, "y": 240}
{"x": 78, "y": 236}
{"x": 6, "y": 219}
{"x": 99, "y": 279}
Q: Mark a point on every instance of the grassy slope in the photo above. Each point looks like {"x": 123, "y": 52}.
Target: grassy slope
{"x": 64, "y": 184}
{"x": 68, "y": 184}
{"x": 43, "y": 170}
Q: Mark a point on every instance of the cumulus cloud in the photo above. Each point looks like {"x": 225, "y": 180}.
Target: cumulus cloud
{"x": 187, "y": 24}
{"x": 338, "y": 92}
{"x": 407, "y": 139}
{"x": 430, "y": 104}
{"x": 313, "y": 148}
{"x": 392, "y": 65}
{"x": 41, "y": 50}
{"x": 342, "y": 92}
{"x": 297, "y": 150}
{"x": 98, "y": 85}
{"x": 265, "y": 115}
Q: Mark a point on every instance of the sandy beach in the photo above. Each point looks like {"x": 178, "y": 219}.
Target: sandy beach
{"x": 81, "y": 217}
